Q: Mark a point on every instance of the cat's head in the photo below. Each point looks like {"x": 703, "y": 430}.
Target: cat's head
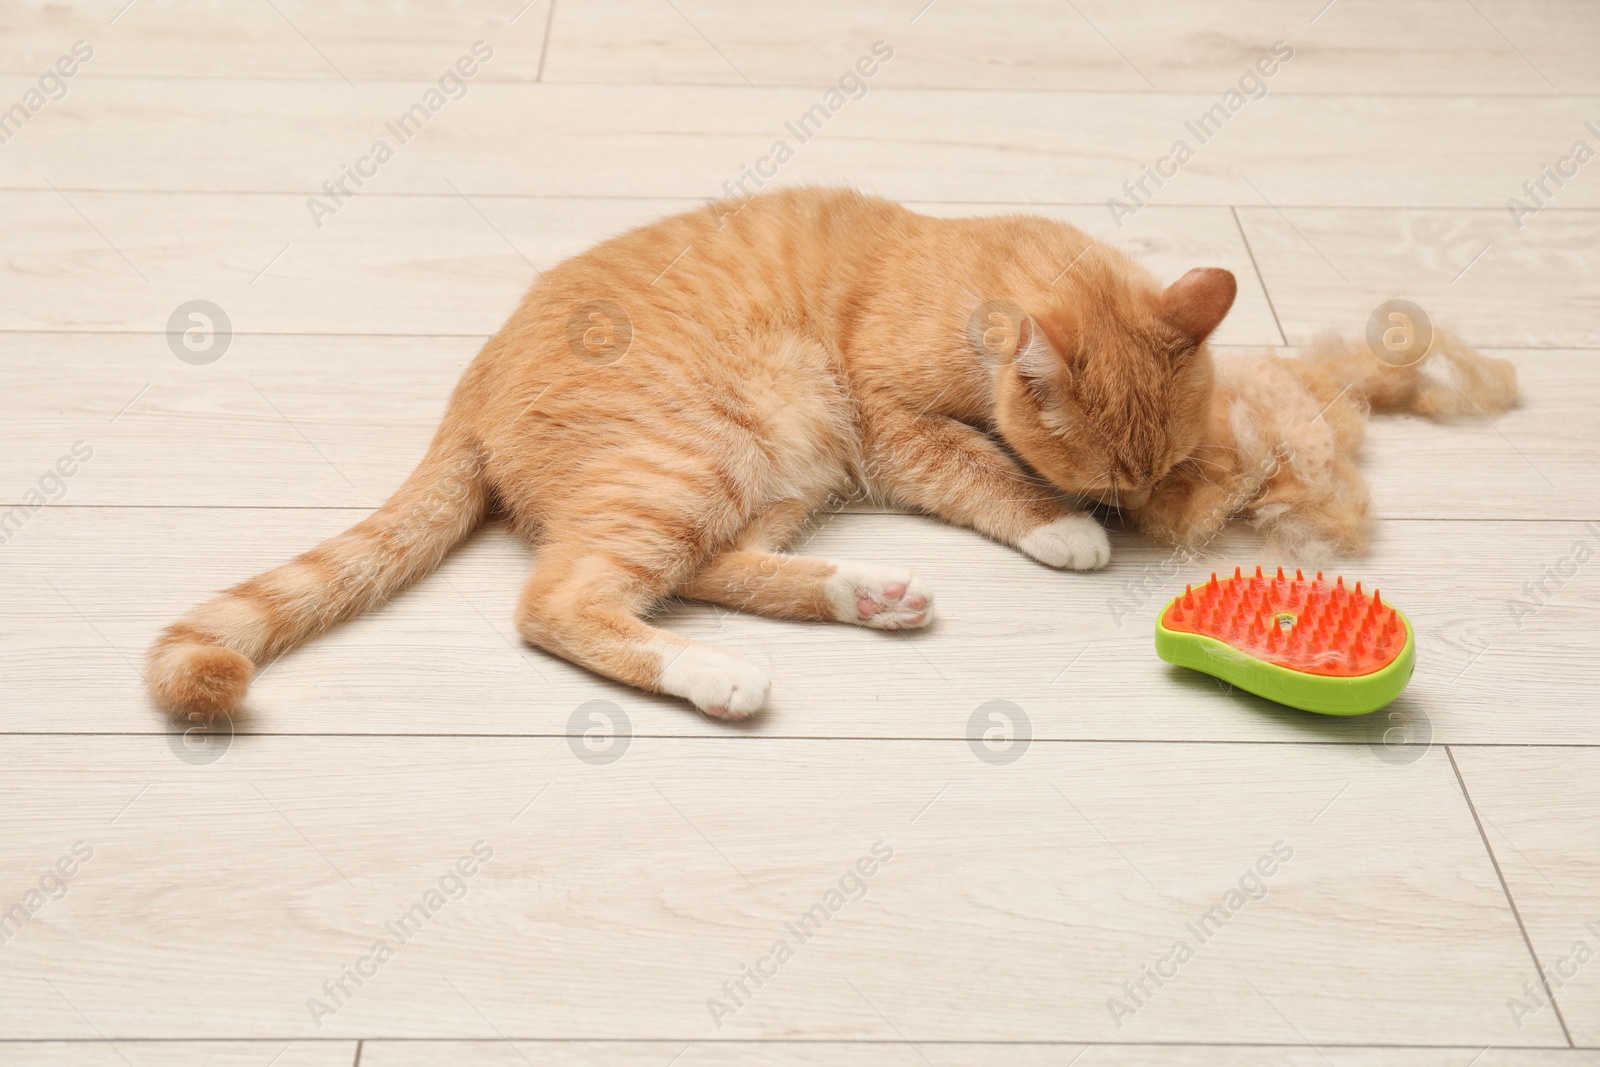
{"x": 1109, "y": 389}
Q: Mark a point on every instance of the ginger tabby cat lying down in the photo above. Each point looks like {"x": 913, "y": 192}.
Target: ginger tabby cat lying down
{"x": 663, "y": 413}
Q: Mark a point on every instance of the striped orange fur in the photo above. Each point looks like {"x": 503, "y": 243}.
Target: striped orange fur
{"x": 663, "y": 413}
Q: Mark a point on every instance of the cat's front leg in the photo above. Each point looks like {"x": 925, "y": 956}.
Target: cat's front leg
{"x": 1074, "y": 541}
{"x": 945, "y": 467}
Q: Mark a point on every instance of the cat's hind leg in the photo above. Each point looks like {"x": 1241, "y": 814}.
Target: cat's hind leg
{"x": 814, "y": 590}
{"x": 586, "y": 606}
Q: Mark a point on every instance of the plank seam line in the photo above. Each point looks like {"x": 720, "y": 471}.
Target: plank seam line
{"x": 1261, "y": 279}
{"x": 731, "y": 1041}
{"x": 1505, "y": 887}
{"x": 760, "y": 738}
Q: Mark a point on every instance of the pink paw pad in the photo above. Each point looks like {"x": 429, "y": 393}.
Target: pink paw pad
{"x": 890, "y": 607}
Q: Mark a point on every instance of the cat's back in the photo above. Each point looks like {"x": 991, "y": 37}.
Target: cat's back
{"x": 789, "y": 261}
{"x": 802, "y": 234}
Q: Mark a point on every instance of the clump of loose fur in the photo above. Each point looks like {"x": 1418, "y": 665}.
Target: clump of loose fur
{"x": 1285, "y": 432}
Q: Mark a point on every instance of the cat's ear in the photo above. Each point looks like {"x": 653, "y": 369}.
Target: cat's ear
{"x": 1034, "y": 357}
{"x": 1197, "y": 302}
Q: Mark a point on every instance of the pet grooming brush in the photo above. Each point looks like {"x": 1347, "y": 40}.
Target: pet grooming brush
{"x": 1303, "y": 642}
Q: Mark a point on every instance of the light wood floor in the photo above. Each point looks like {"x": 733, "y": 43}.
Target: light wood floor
{"x": 1444, "y": 857}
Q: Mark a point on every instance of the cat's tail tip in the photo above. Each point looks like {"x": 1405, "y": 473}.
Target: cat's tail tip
{"x": 195, "y": 681}
{"x": 200, "y": 667}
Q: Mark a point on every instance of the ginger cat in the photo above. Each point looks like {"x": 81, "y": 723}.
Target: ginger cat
{"x": 662, "y": 413}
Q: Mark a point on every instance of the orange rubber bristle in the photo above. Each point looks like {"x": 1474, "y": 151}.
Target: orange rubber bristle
{"x": 1308, "y": 626}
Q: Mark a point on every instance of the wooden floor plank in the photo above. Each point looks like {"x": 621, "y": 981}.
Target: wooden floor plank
{"x": 908, "y": 144}
{"x": 359, "y": 40}
{"x": 113, "y": 1053}
{"x": 402, "y": 265}
{"x": 824, "y": 1054}
{"x": 85, "y": 590}
{"x": 505, "y": 1053}
{"x": 1532, "y": 462}
{"x": 1365, "y": 45}
{"x": 1337, "y": 266}
{"x": 1423, "y": 46}
{"x": 1538, "y": 809}
{"x": 1004, "y": 903}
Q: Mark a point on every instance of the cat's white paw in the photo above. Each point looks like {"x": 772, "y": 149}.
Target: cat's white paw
{"x": 722, "y": 686}
{"x": 883, "y": 598}
{"x": 1076, "y": 541}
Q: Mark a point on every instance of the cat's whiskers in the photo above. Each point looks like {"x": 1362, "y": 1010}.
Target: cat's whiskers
{"x": 1092, "y": 486}
{"x": 1197, "y": 460}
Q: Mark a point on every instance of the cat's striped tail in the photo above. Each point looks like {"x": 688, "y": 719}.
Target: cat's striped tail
{"x": 200, "y": 666}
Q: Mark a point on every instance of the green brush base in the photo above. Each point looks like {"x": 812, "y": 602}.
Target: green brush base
{"x": 1359, "y": 694}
